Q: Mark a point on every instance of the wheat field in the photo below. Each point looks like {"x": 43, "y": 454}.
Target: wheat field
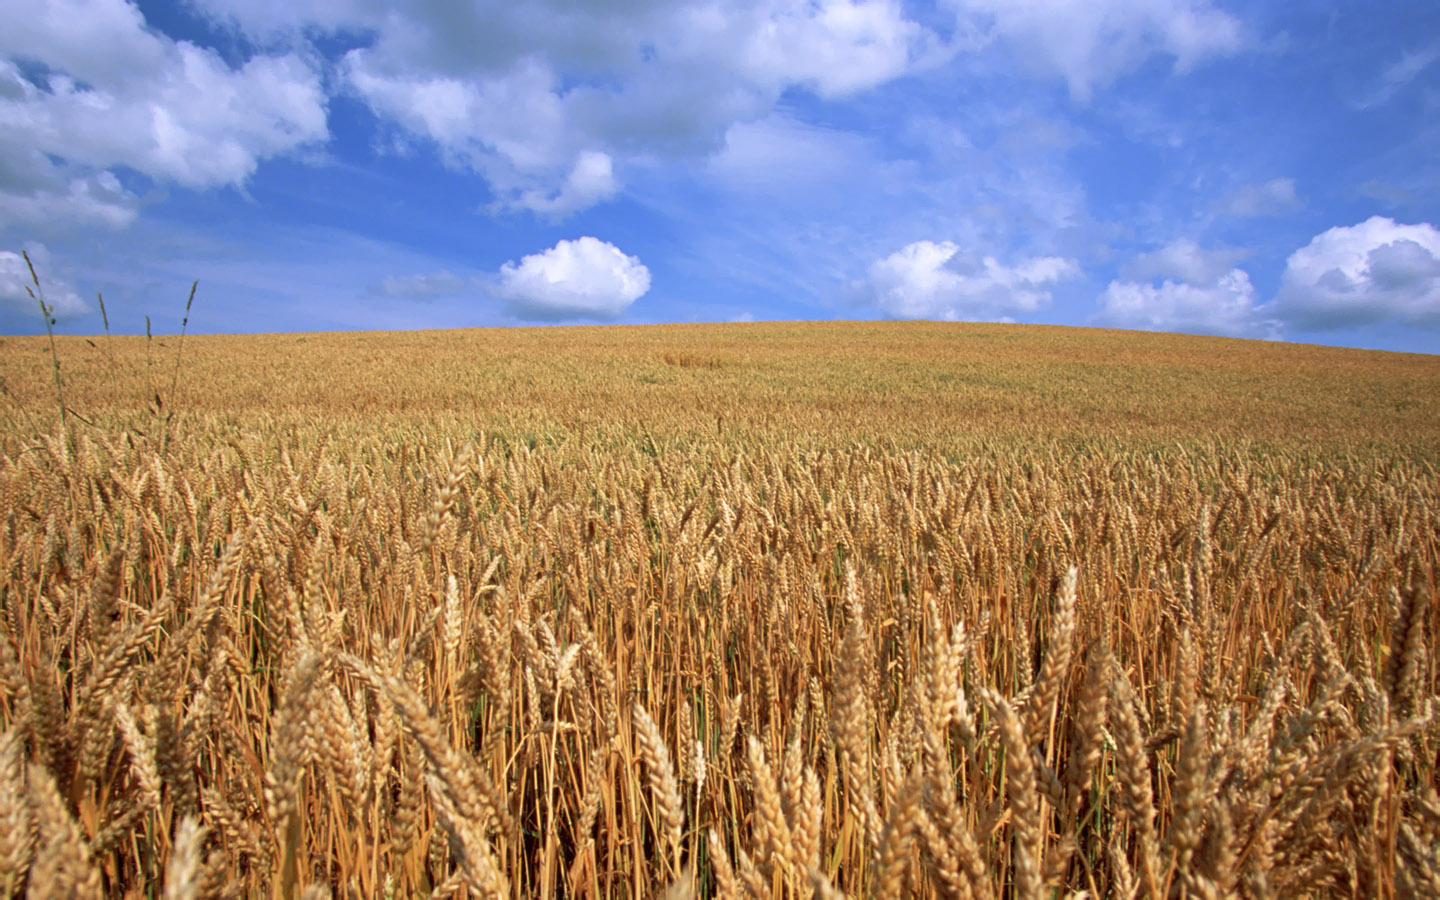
{"x": 763, "y": 611}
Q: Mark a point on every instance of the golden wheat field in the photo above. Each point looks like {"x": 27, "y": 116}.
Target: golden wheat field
{"x": 764, "y": 611}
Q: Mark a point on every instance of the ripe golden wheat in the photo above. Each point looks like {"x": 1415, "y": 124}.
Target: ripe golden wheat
{"x": 274, "y": 654}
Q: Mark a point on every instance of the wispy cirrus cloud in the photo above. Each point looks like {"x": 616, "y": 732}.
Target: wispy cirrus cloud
{"x": 1267, "y": 198}
{"x": 421, "y": 287}
{"x": 1396, "y": 76}
{"x": 1183, "y": 260}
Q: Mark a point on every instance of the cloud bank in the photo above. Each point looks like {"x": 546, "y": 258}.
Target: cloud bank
{"x": 547, "y": 99}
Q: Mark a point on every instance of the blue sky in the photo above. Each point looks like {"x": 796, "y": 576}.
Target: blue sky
{"x": 1261, "y": 170}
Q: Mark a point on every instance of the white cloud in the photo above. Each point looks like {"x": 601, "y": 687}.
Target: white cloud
{"x": 929, "y": 280}
{"x": 96, "y": 41}
{"x": 511, "y": 127}
{"x": 112, "y": 92}
{"x": 421, "y": 287}
{"x": 1270, "y": 198}
{"x": 1225, "y": 306}
{"x": 15, "y": 278}
{"x": 590, "y": 181}
{"x": 515, "y": 115}
{"x": 197, "y": 122}
{"x": 1182, "y": 260}
{"x": 834, "y": 46}
{"x": 43, "y": 194}
{"x": 1200, "y": 291}
{"x": 1375, "y": 271}
{"x": 535, "y": 96}
{"x": 1092, "y": 42}
{"x": 584, "y": 278}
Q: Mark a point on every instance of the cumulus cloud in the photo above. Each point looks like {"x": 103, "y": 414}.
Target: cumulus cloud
{"x": 586, "y": 278}
{"x": 1199, "y": 291}
{"x": 421, "y": 287}
{"x": 1376, "y": 271}
{"x": 590, "y": 181}
{"x": 99, "y": 89}
{"x": 1270, "y": 198}
{"x": 835, "y": 47}
{"x": 513, "y": 127}
{"x": 1225, "y": 306}
{"x": 547, "y": 99}
{"x": 59, "y": 294}
{"x": 45, "y": 194}
{"x": 930, "y": 280}
{"x": 1090, "y": 44}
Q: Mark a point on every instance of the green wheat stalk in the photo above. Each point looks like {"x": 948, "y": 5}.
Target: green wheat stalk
{"x": 49, "y": 313}
{"x": 179, "y": 351}
{"x": 109, "y": 345}
{"x": 184, "y": 324}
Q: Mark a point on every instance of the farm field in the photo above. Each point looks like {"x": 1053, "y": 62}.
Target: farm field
{"x": 761, "y": 610}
